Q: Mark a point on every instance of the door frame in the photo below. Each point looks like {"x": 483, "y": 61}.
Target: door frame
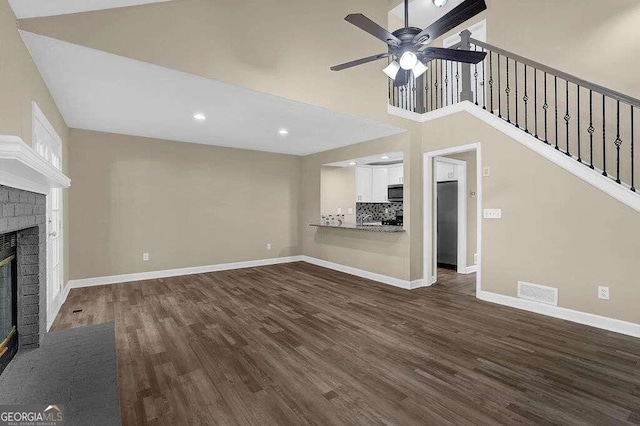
{"x": 429, "y": 272}
{"x": 461, "y": 178}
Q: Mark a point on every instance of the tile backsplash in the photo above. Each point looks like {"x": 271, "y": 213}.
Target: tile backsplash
{"x": 379, "y": 211}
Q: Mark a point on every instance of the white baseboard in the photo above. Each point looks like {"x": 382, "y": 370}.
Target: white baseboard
{"x": 56, "y": 305}
{"x": 396, "y": 282}
{"x": 593, "y": 320}
{"x": 141, "y": 276}
{"x": 471, "y": 269}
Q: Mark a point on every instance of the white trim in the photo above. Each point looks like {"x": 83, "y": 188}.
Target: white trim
{"x": 478, "y": 31}
{"x": 152, "y": 275}
{"x": 593, "y": 320}
{"x": 23, "y": 168}
{"x": 592, "y": 177}
{"x": 141, "y": 276}
{"x": 56, "y": 304}
{"x": 428, "y": 206}
{"x": 461, "y": 178}
{"x": 38, "y": 116}
{"x": 396, "y": 282}
{"x": 471, "y": 269}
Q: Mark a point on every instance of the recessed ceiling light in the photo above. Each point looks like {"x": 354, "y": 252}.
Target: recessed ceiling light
{"x": 283, "y": 132}
{"x": 199, "y": 116}
{"x": 353, "y": 163}
{"x": 385, "y": 157}
{"x": 439, "y": 3}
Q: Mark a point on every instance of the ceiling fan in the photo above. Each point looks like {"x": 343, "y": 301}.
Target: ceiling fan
{"x": 407, "y": 45}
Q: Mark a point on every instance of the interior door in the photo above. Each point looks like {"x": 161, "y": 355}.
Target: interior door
{"x": 48, "y": 144}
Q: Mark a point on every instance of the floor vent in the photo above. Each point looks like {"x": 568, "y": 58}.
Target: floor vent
{"x": 538, "y": 293}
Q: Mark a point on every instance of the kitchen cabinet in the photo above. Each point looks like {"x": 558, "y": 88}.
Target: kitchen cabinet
{"x": 396, "y": 175}
{"x": 364, "y": 184}
{"x": 380, "y": 183}
{"x": 446, "y": 172}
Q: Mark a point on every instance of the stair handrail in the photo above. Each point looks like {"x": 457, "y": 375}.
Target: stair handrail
{"x": 561, "y": 74}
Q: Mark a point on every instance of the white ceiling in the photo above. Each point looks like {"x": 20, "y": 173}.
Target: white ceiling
{"x": 361, "y": 161}
{"x": 36, "y": 8}
{"x": 423, "y": 13}
{"x": 95, "y": 90}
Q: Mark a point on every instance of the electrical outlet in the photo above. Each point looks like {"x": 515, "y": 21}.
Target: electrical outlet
{"x": 603, "y": 293}
{"x": 268, "y": 246}
{"x": 145, "y": 257}
{"x": 349, "y": 211}
{"x": 492, "y": 213}
{"x": 486, "y": 171}
{"x": 475, "y": 258}
{"x": 339, "y": 210}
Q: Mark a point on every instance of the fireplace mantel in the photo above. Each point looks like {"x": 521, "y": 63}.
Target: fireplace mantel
{"x": 23, "y": 168}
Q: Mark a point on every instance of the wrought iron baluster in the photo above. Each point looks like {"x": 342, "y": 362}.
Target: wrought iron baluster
{"x": 633, "y": 187}
{"x": 475, "y": 75}
{"x": 579, "y": 137}
{"x": 604, "y": 136}
{"x": 426, "y": 92}
{"x": 508, "y": 91}
{"x": 499, "y": 90}
{"x": 567, "y": 117}
{"x": 451, "y": 70}
{"x": 545, "y": 107}
{"x": 491, "y": 81}
{"x": 457, "y": 92}
{"x": 484, "y": 83}
{"x": 555, "y": 95}
{"x": 436, "y": 85}
{"x": 591, "y": 129}
{"x": 431, "y": 84}
{"x": 446, "y": 82}
{"x": 535, "y": 101}
{"x": 618, "y": 142}
{"x": 526, "y": 101}
{"x": 516, "y": 73}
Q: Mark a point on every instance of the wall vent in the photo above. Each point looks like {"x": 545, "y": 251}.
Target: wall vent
{"x": 538, "y": 293}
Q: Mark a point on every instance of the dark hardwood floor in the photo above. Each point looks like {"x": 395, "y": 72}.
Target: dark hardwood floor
{"x": 299, "y": 344}
{"x": 449, "y": 279}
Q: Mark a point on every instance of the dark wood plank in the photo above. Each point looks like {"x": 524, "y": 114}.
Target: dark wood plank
{"x": 299, "y": 344}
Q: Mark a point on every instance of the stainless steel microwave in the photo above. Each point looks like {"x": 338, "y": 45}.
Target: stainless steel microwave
{"x": 395, "y": 193}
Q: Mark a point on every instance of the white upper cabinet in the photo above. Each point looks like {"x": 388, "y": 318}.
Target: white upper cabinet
{"x": 380, "y": 184}
{"x": 364, "y": 184}
{"x": 396, "y": 175}
{"x": 446, "y": 172}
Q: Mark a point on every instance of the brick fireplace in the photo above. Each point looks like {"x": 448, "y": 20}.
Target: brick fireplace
{"x": 23, "y": 216}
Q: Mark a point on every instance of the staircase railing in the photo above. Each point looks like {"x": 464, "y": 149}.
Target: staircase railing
{"x": 591, "y": 123}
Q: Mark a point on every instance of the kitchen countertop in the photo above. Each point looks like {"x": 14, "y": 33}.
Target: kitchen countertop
{"x": 370, "y": 228}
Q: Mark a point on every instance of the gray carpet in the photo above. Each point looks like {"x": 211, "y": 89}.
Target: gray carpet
{"x": 76, "y": 368}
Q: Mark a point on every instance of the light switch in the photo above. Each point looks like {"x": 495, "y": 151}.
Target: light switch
{"x": 492, "y": 213}
{"x": 486, "y": 171}
{"x": 349, "y": 211}
{"x": 339, "y": 210}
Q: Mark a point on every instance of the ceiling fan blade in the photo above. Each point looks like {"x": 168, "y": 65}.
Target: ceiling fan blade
{"x": 359, "y": 62}
{"x": 458, "y": 15}
{"x": 402, "y": 79}
{"x": 465, "y": 56}
{"x": 366, "y": 24}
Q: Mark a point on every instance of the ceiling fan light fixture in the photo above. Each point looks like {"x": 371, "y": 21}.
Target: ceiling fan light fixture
{"x": 408, "y": 60}
{"x": 440, "y": 3}
{"x": 419, "y": 69}
{"x": 392, "y": 69}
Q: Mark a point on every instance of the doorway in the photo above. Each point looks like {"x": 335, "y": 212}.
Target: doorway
{"x": 452, "y": 225}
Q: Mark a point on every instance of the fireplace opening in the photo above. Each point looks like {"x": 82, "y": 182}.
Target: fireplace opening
{"x": 8, "y": 299}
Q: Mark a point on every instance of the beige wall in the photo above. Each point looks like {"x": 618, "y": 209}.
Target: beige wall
{"x": 186, "y": 204}
{"x": 338, "y": 186}
{"x": 556, "y": 229}
{"x": 20, "y": 84}
{"x": 382, "y": 253}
